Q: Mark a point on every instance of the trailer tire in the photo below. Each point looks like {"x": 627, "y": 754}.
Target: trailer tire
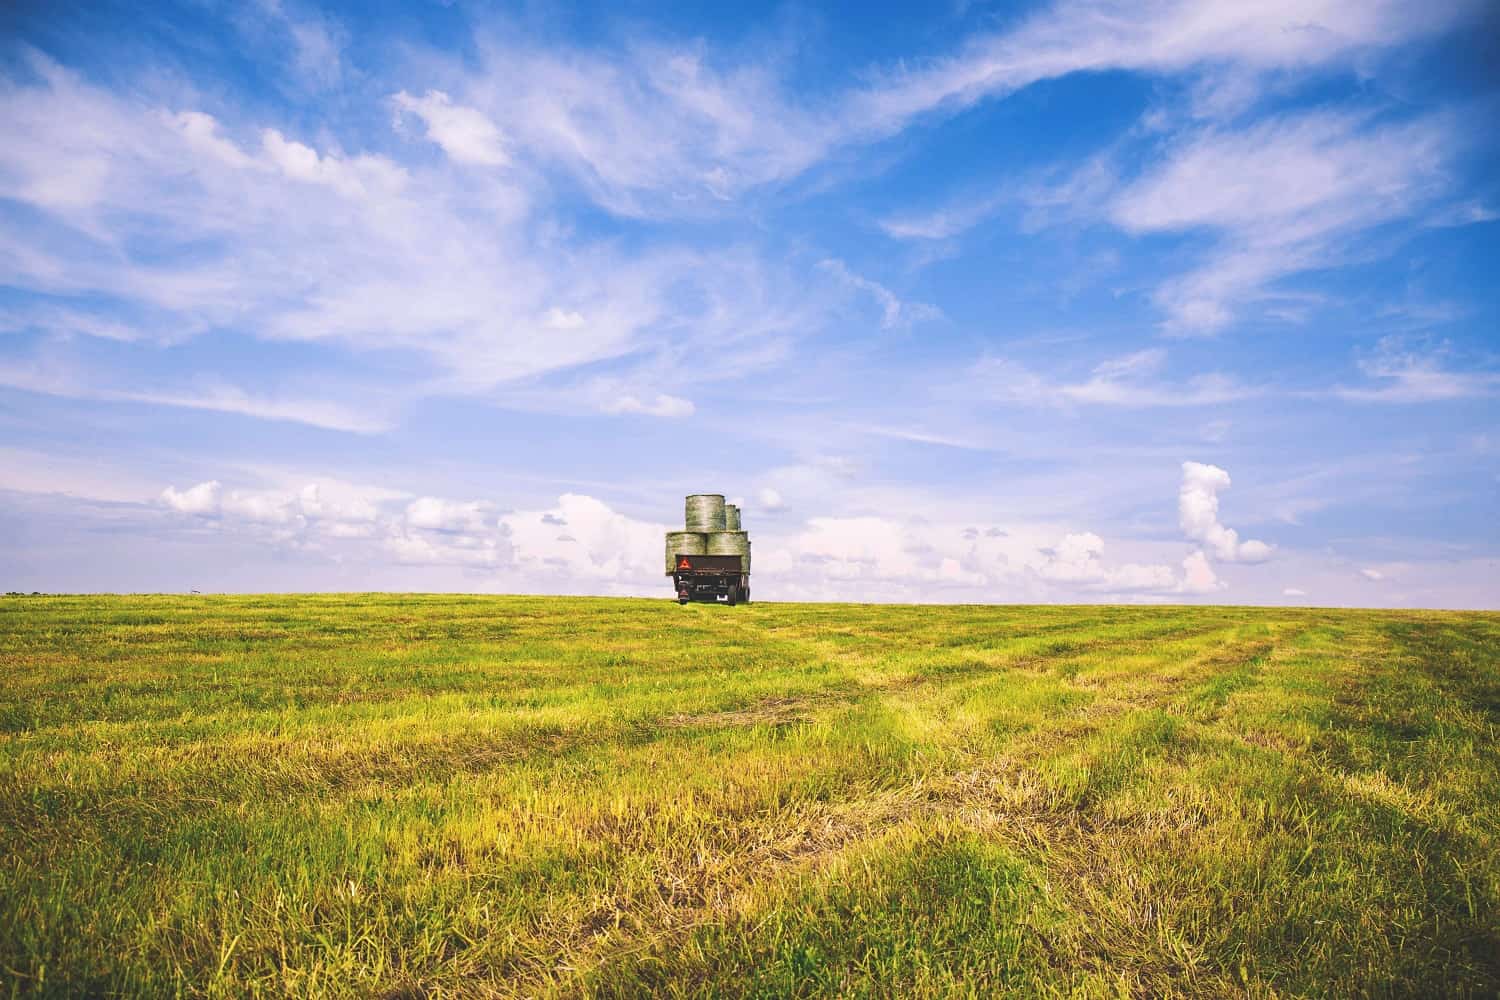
{"x": 745, "y": 593}
{"x": 683, "y": 601}
{"x": 734, "y": 593}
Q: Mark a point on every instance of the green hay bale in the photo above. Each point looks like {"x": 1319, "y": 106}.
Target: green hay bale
{"x": 705, "y": 512}
{"x": 684, "y": 543}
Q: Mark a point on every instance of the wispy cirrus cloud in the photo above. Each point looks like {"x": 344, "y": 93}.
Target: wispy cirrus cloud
{"x": 1157, "y": 36}
{"x": 1132, "y": 380}
{"x": 1400, "y": 372}
{"x": 894, "y": 311}
{"x": 653, "y": 128}
{"x": 1282, "y": 196}
{"x": 313, "y": 410}
{"x": 202, "y": 223}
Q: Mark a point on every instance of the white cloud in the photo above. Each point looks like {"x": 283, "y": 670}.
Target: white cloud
{"x": 1373, "y": 575}
{"x": 770, "y": 499}
{"x": 873, "y": 557}
{"x": 562, "y": 319}
{"x": 941, "y": 223}
{"x": 262, "y": 507}
{"x": 1293, "y": 592}
{"x": 341, "y": 502}
{"x": 333, "y": 507}
{"x": 63, "y": 323}
{"x": 1154, "y": 36}
{"x": 464, "y": 133}
{"x": 606, "y": 547}
{"x": 227, "y": 399}
{"x": 357, "y": 178}
{"x": 295, "y": 240}
{"x": 485, "y": 552}
{"x": 84, "y": 477}
{"x": 649, "y": 130}
{"x": 661, "y": 405}
{"x": 1198, "y": 515}
{"x": 437, "y": 514}
{"x": 317, "y": 41}
{"x": 1198, "y": 575}
{"x": 200, "y": 499}
{"x": 893, "y": 311}
{"x": 1078, "y": 559}
{"x": 1406, "y": 375}
{"x": 214, "y": 396}
{"x": 656, "y": 129}
{"x": 1280, "y": 194}
{"x": 1128, "y": 381}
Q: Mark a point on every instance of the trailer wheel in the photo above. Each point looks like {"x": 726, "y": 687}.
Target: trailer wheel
{"x": 734, "y": 593}
{"x": 745, "y": 594}
{"x": 682, "y": 600}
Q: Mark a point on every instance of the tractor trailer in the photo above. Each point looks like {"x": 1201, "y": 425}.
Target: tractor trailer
{"x": 710, "y": 559}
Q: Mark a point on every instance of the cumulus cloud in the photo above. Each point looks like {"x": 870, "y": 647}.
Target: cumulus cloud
{"x": 1373, "y": 575}
{"x": 1078, "y": 559}
{"x": 1198, "y": 575}
{"x": 602, "y": 550}
{"x": 605, "y": 547}
{"x": 583, "y": 544}
{"x": 476, "y": 551}
{"x": 330, "y": 507}
{"x": 437, "y": 514}
{"x": 262, "y": 507}
{"x": 874, "y": 557}
{"x": 1198, "y": 516}
{"x": 200, "y": 499}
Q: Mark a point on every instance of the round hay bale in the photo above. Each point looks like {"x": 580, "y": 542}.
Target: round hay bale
{"x": 731, "y": 517}
{"x": 731, "y": 543}
{"x": 684, "y": 543}
{"x": 705, "y": 512}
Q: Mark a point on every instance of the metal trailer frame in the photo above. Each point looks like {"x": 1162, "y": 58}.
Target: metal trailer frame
{"x": 710, "y": 578}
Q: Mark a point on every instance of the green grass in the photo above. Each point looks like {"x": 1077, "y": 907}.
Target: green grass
{"x": 472, "y": 796}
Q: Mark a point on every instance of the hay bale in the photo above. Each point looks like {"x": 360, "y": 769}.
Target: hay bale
{"x": 731, "y": 517}
{"x": 684, "y": 543}
{"x": 705, "y": 512}
{"x": 731, "y": 543}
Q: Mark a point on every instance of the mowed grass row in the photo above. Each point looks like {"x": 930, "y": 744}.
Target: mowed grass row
{"x": 473, "y": 796}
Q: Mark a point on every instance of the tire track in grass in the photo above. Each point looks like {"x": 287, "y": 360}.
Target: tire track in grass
{"x": 1028, "y": 801}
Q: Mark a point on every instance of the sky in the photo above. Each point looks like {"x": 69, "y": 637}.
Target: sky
{"x": 1075, "y": 301}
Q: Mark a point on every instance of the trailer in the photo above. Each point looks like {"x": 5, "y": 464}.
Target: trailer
{"x": 710, "y": 578}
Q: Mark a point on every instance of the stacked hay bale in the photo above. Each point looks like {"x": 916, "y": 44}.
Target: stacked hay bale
{"x": 731, "y": 543}
{"x": 704, "y": 512}
{"x": 713, "y": 528}
{"x": 684, "y": 543}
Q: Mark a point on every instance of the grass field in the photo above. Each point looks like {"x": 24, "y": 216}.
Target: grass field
{"x": 473, "y": 796}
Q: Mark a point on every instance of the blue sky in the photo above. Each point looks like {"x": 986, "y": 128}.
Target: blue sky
{"x": 1077, "y": 301}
